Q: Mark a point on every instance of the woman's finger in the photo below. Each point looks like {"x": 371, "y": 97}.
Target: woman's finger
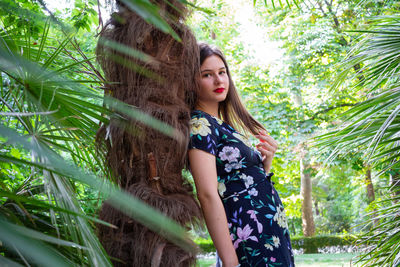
{"x": 267, "y": 146}
{"x": 265, "y": 134}
{"x": 265, "y": 152}
{"x": 271, "y": 140}
{"x": 268, "y": 139}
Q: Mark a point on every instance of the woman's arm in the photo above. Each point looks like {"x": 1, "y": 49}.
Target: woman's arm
{"x": 204, "y": 171}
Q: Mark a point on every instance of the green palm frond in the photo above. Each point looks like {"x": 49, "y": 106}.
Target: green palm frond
{"x": 383, "y": 240}
{"x": 53, "y": 163}
{"x": 19, "y": 241}
{"x": 151, "y": 14}
{"x": 377, "y": 53}
{"x": 374, "y": 124}
{"x": 7, "y": 262}
{"x": 373, "y": 127}
{"x": 18, "y": 197}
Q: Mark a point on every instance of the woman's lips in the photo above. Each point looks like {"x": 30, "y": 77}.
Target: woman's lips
{"x": 219, "y": 90}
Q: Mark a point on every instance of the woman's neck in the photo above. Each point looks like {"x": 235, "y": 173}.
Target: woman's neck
{"x": 210, "y": 109}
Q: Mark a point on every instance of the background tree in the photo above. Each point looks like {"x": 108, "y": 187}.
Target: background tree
{"x": 291, "y": 98}
{"x": 315, "y": 38}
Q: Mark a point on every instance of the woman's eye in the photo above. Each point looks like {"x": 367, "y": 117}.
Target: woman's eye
{"x": 206, "y": 75}
{"x": 222, "y": 72}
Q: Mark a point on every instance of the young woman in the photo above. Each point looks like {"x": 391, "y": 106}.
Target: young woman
{"x": 242, "y": 210}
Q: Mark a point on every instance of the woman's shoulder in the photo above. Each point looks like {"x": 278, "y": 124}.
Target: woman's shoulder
{"x": 199, "y": 115}
{"x": 204, "y": 134}
{"x": 203, "y": 124}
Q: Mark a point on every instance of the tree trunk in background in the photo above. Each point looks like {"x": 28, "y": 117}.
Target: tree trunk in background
{"x": 292, "y": 229}
{"x": 306, "y": 186}
{"x": 305, "y": 191}
{"x": 370, "y": 186}
{"x": 370, "y": 193}
{"x": 316, "y": 208}
{"x": 395, "y": 184}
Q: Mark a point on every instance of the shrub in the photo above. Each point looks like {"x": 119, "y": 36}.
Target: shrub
{"x": 308, "y": 244}
{"x": 206, "y": 245}
{"x": 312, "y": 244}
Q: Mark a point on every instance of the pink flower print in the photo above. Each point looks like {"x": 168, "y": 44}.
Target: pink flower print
{"x": 273, "y": 259}
{"x": 253, "y": 192}
{"x": 254, "y": 217}
{"x": 252, "y": 214}
{"x": 234, "y": 165}
{"x": 248, "y": 180}
{"x": 243, "y": 235}
{"x": 230, "y": 154}
{"x": 232, "y": 237}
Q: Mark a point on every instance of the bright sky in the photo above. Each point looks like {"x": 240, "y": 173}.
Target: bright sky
{"x": 253, "y": 36}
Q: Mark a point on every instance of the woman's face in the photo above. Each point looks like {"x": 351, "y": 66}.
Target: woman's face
{"x": 214, "y": 81}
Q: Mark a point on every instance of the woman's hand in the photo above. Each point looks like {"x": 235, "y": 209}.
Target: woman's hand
{"x": 267, "y": 148}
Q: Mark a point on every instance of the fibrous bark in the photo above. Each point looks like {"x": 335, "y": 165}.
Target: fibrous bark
{"x": 145, "y": 162}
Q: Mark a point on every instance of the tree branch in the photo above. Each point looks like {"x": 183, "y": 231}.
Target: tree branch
{"x": 321, "y": 8}
{"x": 309, "y": 8}
{"x": 328, "y": 109}
{"x": 100, "y": 27}
{"x": 335, "y": 19}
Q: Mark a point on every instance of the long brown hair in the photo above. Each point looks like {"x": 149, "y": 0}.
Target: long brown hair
{"x": 232, "y": 110}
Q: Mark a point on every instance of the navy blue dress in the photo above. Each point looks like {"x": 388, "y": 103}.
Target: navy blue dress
{"x": 255, "y": 214}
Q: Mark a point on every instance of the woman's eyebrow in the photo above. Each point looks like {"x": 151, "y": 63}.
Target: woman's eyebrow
{"x": 211, "y": 70}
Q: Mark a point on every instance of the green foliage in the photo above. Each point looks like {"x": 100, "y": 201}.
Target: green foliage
{"x": 52, "y": 179}
{"x": 383, "y": 239}
{"x": 83, "y": 15}
{"x": 372, "y": 127}
{"x": 293, "y": 99}
{"x": 274, "y": 3}
{"x": 340, "y": 196}
{"x": 312, "y": 244}
{"x": 372, "y": 123}
{"x": 43, "y": 116}
{"x": 206, "y": 245}
{"x": 308, "y": 244}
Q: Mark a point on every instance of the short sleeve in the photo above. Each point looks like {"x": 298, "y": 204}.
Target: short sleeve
{"x": 203, "y": 134}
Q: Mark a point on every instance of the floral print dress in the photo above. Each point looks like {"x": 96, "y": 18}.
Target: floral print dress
{"x": 256, "y": 219}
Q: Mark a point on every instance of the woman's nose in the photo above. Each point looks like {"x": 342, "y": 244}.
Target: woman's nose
{"x": 217, "y": 79}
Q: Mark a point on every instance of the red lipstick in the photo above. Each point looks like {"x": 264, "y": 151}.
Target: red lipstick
{"x": 219, "y": 90}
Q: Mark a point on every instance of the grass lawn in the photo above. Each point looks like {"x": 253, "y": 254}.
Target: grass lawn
{"x": 325, "y": 260}
{"x": 309, "y": 260}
